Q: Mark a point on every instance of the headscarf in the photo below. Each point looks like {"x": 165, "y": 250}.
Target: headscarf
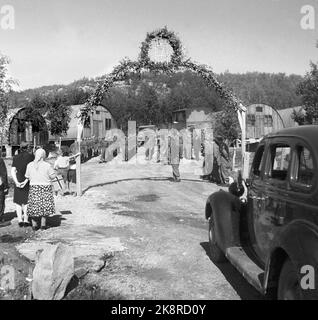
{"x": 40, "y": 155}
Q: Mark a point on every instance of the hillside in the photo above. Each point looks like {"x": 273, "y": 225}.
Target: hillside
{"x": 277, "y": 90}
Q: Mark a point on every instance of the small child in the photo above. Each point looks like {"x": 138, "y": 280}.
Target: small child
{"x": 62, "y": 165}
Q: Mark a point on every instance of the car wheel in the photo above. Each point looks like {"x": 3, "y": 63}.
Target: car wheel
{"x": 216, "y": 253}
{"x": 288, "y": 286}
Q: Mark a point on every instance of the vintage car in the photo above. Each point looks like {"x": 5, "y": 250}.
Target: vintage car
{"x": 272, "y": 237}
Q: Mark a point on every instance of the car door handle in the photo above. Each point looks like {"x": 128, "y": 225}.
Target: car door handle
{"x": 259, "y": 198}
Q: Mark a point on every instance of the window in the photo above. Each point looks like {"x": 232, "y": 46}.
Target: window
{"x": 259, "y": 109}
{"x": 180, "y": 116}
{"x": 87, "y": 122}
{"x": 305, "y": 167}
{"x": 108, "y": 124}
{"x": 268, "y": 121}
{"x": 258, "y": 161}
{"x": 251, "y": 120}
{"x": 97, "y": 112}
{"x": 280, "y": 160}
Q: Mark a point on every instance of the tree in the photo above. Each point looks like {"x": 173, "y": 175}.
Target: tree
{"x": 58, "y": 116}
{"x": 308, "y": 90}
{"x": 226, "y": 124}
{"x": 5, "y": 87}
{"x": 36, "y": 108}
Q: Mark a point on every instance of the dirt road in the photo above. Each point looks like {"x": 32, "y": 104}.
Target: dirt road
{"x": 151, "y": 230}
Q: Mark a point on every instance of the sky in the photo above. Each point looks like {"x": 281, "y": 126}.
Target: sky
{"x": 57, "y": 42}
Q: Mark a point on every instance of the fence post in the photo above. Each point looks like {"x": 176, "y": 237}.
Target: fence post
{"x": 80, "y": 127}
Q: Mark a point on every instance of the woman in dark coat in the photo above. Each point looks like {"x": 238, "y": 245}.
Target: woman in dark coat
{"x": 4, "y": 187}
{"x": 21, "y": 193}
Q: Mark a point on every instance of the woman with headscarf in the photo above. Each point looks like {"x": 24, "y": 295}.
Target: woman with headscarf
{"x": 41, "y": 201}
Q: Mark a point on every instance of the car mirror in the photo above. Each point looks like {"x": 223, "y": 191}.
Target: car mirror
{"x": 236, "y": 189}
{"x": 248, "y": 182}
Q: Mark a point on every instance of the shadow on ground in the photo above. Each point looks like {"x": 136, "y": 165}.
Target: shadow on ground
{"x": 8, "y": 216}
{"x": 140, "y": 179}
{"x": 235, "y": 279}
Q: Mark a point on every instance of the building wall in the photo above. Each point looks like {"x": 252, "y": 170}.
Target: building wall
{"x": 22, "y": 130}
{"x": 286, "y": 115}
{"x": 261, "y": 120}
{"x": 97, "y": 124}
{"x": 197, "y": 118}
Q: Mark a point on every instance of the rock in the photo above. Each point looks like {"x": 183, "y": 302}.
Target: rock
{"x": 98, "y": 265}
{"x": 81, "y": 272}
{"x": 52, "y": 273}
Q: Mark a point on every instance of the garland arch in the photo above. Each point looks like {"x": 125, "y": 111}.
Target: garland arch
{"x": 144, "y": 63}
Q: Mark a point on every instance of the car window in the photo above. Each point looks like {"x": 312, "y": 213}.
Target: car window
{"x": 258, "y": 161}
{"x": 280, "y": 161}
{"x": 305, "y": 167}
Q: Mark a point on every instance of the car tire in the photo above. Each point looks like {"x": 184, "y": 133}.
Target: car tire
{"x": 216, "y": 254}
{"x": 288, "y": 284}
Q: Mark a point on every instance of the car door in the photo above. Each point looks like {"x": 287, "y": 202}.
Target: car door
{"x": 255, "y": 194}
{"x": 270, "y": 212}
{"x": 302, "y": 202}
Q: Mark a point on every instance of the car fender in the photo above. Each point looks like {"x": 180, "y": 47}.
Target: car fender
{"x": 224, "y": 209}
{"x": 298, "y": 241}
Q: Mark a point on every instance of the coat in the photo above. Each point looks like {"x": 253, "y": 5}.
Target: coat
{"x": 3, "y": 175}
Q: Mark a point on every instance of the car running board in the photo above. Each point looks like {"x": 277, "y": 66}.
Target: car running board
{"x": 246, "y": 266}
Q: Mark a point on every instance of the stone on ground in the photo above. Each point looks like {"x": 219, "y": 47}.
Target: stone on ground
{"x": 52, "y": 273}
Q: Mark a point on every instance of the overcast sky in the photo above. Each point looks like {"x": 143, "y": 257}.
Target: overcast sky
{"x": 56, "y": 42}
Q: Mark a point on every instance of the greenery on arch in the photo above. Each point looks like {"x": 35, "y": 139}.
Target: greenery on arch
{"x": 144, "y": 64}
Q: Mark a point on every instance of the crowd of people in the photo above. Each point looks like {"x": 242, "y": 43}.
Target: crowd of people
{"x": 33, "y": 179}
{"x": 222, "y": 166}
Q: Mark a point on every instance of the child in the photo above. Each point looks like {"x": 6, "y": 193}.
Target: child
{"x": 71, "y": 175}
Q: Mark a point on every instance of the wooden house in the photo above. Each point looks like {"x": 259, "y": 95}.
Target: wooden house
{"x": 100, "y": 121}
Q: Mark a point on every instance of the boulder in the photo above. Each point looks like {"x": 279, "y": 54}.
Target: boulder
{"x": 52, "y": 273}
{"x": 98, "y": 265}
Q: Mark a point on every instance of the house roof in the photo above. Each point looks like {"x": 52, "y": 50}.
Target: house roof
{"x": 286, "y": 115}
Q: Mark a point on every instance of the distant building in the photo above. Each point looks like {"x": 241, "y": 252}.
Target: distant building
{"x": 100, "y": 121}
{"x": 286, "y": 115}
{"x": 261, "y": 119}
{"x": 198, "y": 118}
{"x": 18, "y": 128}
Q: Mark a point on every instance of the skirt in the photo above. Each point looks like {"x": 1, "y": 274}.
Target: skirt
{"x": 41, "y": 201}
{"x": 21, "y": 195}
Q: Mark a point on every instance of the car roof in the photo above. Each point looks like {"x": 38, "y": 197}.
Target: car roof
{"x": 309, "y": 133}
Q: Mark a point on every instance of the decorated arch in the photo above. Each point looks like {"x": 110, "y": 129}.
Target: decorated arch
{"x": 171, "y": 62}
{"x": 177, "y": 62}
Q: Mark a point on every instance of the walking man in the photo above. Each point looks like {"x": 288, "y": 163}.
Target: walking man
{"x": 4, "y": 187}
{"x": 175, "y": 145}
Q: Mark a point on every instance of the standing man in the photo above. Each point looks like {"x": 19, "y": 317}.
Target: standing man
{"x": 4, "y": 187}
{"x": 175, "y": 154}
{"x": 21, "y": 191}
